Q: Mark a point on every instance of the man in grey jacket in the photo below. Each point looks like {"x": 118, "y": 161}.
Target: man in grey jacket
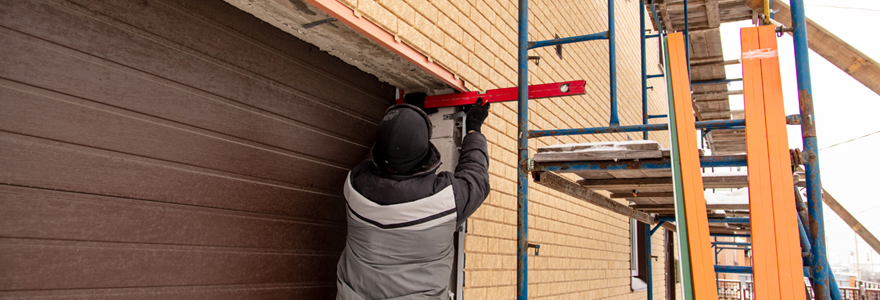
{"x": 402, "y": 215}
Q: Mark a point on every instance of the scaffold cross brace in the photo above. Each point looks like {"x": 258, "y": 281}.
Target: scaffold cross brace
{"x": 537, "y": 91}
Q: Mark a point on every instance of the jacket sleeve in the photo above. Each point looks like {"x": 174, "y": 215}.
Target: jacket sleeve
{"x": 471, "y": 178}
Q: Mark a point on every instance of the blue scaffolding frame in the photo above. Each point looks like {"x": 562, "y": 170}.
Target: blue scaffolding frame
{"x": 824, "y": 286}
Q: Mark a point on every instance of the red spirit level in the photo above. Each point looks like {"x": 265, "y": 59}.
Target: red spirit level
{"x": 537, "y": 91}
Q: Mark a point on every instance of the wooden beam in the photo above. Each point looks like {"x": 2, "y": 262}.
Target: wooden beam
{"x": 721, "y": 114}
{"x": 728, "y": 131}
{"x": 681, "y": 2}
{"x": 715, "y": 63}
{"x": 655, "y": 208}
{"x": 728, "y": 231}
{"x": 709, "y": 206}
{"x": 679, "y": 6}
{"x": 564, "y": 185}
{"x": 697, "y": 114}
{"x": 642, "y": 195}
{"x": 705, "y": 83}
{"x": 704, "y": 60}
{"x": 730, "y": 134}
{"x": 664, "y": 15}
{"x": 611, "y": 154}
{"x": 718, "y": 182}
{"x": 728, "y": 137}
{"x": 715, "y": 95}
{"x": 709, "y": 182}
{"x": 698, "y": 28}
{"x": 712, "y": 13}
{"x": 708, "y": 101}
{"x": 726, "y": 206}
{"x": 625, "y": 183}
{"x": 736, "y": 16}
{"x": 851, "y": 221}
{"x": 738, "y": 138}
{"x": 633, "y": 164}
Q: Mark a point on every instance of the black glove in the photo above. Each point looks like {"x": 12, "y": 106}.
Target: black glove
{"x": 476, "y": 115}
{"x": 418, "y": 99}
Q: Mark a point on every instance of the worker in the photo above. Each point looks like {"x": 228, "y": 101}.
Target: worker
{"x": 402, "y": 214}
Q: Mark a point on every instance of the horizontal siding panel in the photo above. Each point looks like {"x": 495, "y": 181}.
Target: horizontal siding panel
{"x": 35, "y": 112}
{"x": 37, "y": 264}
{"x": 142, "y": 54}
{"x": 222, "y": 292}
{"x": 40, "y": 64}
{"x": 46, "y": 214}
{"x": 35, "y": 162}
{"x": 168, "y": 150}
{"x": 248, "y": 43}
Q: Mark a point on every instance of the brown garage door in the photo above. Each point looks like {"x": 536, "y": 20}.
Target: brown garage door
{"x": 156, "y": 149}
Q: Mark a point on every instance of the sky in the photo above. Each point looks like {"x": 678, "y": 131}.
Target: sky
{"x": 845, "y": 109}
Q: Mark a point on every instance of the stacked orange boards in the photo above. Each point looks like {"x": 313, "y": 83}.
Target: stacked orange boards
{"x": 702, "y": 262}
{"x": 778, "y": 269}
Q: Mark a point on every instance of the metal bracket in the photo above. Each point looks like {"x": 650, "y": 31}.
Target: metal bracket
{"x": 456, "y": 115}
{"x": 536, "y": 246}
{"x": 319, "y": 22}
{"x": 558, "y": 48}
{"x": 536, "y": 58}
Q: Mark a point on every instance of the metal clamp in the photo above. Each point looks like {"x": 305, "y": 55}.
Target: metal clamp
{"x": 782, "y": 29}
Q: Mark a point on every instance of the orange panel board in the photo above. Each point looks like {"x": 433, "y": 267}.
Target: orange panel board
{"x": 785, "y": 216}
{"x": 702, "y": 257}
{"x": 765, "y": 271}
{"x": 778, "y": 269}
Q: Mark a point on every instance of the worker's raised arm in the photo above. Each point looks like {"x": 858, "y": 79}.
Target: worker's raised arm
{"x": 471, "y": 177}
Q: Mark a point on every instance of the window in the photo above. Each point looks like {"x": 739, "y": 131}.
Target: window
{"x": 638, "y": 259}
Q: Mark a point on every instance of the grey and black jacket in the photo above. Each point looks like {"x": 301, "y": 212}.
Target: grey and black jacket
{"x": 400, "y": 227}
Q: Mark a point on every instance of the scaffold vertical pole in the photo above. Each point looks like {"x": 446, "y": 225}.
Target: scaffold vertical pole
{"x": 522, "y": 196}
{"x": 687, "y": 39}
{"x": 648, "y": 231}
{"x": 820, "y": 269}
{"x": 644, "y": 68}
{"x": 612, "y": 64}
{"x": 650, "y": 275}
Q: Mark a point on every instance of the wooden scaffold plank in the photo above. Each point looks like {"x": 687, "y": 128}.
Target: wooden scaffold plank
{"x": 559, "y": 183}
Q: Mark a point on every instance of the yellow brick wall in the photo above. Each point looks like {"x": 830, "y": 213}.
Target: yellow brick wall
{"x": 584, "y": 249}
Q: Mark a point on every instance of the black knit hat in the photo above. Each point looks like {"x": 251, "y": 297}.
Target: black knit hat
{"x": 403, "y": 140}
